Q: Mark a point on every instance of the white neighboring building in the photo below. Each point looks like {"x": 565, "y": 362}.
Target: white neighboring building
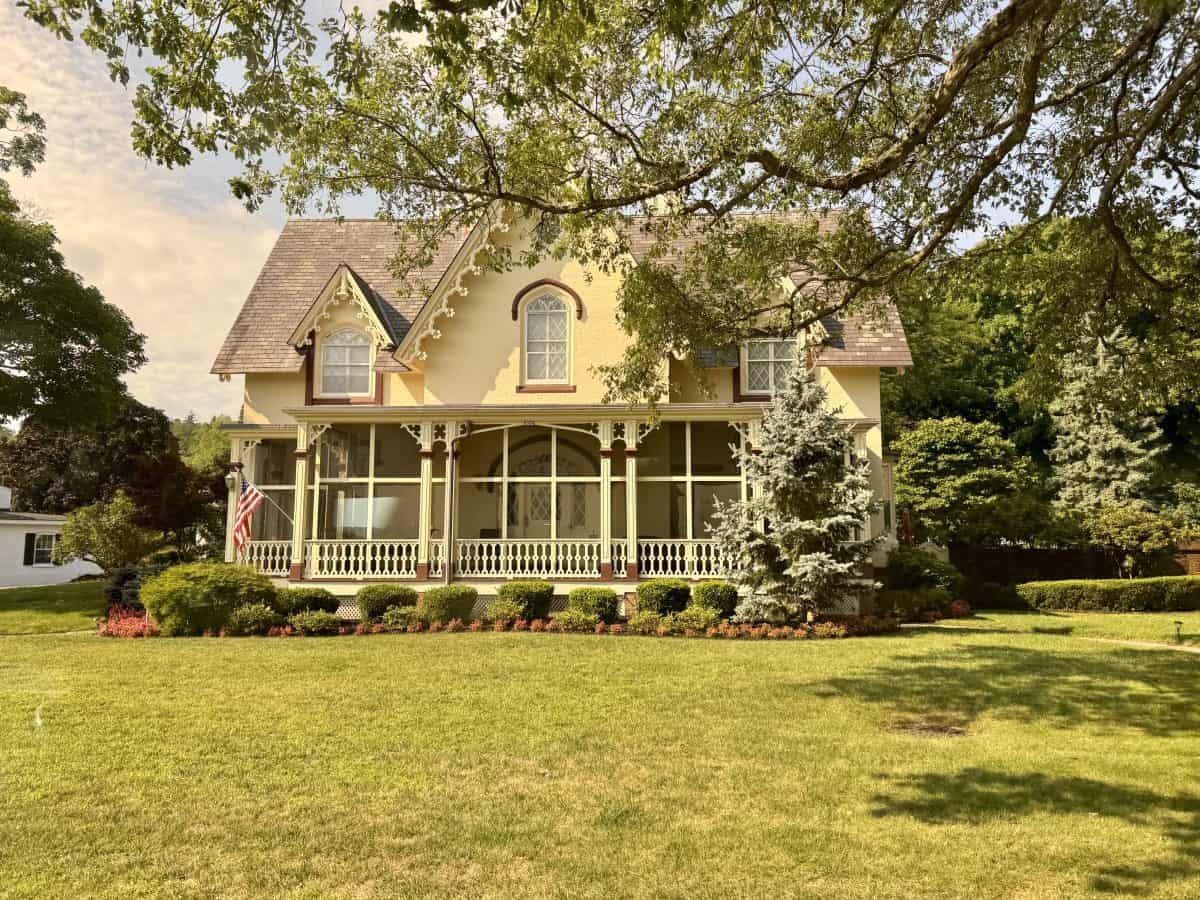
{"x": 26, "y": 544}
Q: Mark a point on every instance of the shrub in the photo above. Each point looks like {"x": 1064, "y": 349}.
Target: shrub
{"x": 476, "y": 625}
{"x": 663, "y": 595}
{"x": 454, "y": 626}
{"x": 643, "y": 622}
{"x": 1115, "y": 594}
{"x": 616, "y": 628}
{"x": 718, "y": 595}
{"x": 600, "y": 628}
{"x": 374, "y": 599}
{"x": 910, "y": 605}
{"x": 959, "y": 609}
{"x": 696, "y": 618}
{"x": 454, "y": 601}
{"x": 398, "y": 618}
{"x": 415, "y": 627}
{"x": 593, "y": 601}
{"x": 829, "y": 630}
{"x": 193, "y": 597}
{"x": 122, "y": 621}
{"x": 537, "y": 625}
{"x": 534, "y": 597}
{"x": 576, "y": 620}
{"x": 252, "y": 618}
{"x": 911, "y": 569}
{"x": 503, "y": 609}
{"x": 315, "y": 621}
{"x": 298, "y": 599}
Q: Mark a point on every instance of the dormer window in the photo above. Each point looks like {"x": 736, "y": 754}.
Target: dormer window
{"x": 766, "y": 363}
{"x": 346, "y": 364}
{"x": 547, "y": 340}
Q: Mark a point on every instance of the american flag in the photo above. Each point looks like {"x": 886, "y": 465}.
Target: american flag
{"x": 249, "y": 499}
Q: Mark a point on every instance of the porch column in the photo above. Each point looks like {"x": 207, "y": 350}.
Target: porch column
{"x": 299, "y": 504}
{"x": 235, "y": 468}
{"x": 426, "y": 502}
{"x": 606, "y": 571}
{"x": 631, "y": 441}
{"x": 450, "y": 526}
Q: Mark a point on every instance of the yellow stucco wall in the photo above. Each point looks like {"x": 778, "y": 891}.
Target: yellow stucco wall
{"x": 266, "y": 396}
{"x": 477, "y": 359}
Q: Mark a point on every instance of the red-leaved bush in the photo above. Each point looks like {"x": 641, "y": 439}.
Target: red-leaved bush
{"x": 476, "y": 625}
{"x": 959, "y": 609}
{"x": 415, "y": 627}
{"x": 616, "y": 628}
{"x": 455, "y": 625}
{"x": 537, "y": 625}
{"x": 499, "y": 625}
{"x": 520, "y": 625}
{"x": 125, "y": 622}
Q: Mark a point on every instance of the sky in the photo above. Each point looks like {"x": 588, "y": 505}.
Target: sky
{"x": 172, "y": 248}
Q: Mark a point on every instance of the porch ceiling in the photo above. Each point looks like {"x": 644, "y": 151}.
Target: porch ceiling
{"x": 523, "y": 413}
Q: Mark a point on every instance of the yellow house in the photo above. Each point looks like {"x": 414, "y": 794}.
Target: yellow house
{"x": 461, "y": 434}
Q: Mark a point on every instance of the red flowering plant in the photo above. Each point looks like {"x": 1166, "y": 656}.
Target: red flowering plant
{"x": 122, "y": 621}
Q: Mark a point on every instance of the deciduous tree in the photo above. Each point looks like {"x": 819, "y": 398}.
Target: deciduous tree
{"x": 919, "y": 121}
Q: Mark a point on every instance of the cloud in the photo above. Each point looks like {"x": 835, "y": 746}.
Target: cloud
{"x": 170, "y": 247}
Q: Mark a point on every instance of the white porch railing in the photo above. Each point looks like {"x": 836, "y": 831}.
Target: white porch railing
{"x": 519, "y": 558}
{"x": 437, "y": 558}
{"x": 268, "y": 557}
{"x": 679, "y": 558}
{"x": 620, "y": 557}
{"x": 362, "y": 559}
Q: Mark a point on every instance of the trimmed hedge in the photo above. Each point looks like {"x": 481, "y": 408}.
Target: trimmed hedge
{"x": 595, "y": 601}
{"x": 454, "y": 601}
{"x": 663, "y": 595}
{"x": 375, "y": 599}
{"x": 534, "y": 597}
{"x": 298, "y": 599}
{"x": 503, "y": 609}
{"x": 719, "y": 595}
{"x": 198, "y": 597}
{"x": 1164, "y": 594}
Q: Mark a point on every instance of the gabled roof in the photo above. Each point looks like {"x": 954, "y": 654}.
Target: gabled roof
{"x": 310, "y": 252}
{"x": 300, "y": 265}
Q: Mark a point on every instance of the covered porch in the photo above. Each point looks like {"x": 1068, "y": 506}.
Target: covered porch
{"x": 504, "y": 494}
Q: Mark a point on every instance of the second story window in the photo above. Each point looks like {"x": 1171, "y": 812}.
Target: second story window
{"x": 767, "y": 362}
{"x": 346, "y": 364}
{"x": 547, "y": 340}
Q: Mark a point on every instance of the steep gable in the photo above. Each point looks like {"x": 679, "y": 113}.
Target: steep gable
{"x": 299, "y": 267}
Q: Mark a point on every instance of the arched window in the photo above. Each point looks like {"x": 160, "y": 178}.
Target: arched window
{"x": 346, "y": 363}
{"x": 547, "y": 340}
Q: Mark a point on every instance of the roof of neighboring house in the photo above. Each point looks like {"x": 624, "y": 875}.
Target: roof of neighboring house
{"x": 8, "y": 517}
{"x": 309, "y": 251}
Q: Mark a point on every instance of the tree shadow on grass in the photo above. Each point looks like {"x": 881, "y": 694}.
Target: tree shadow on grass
{"x": 977, "y": 796}
{"x": 1154, "y": 692}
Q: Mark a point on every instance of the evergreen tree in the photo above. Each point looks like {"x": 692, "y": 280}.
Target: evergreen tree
{"x": 793, "y": 543}
{"x": 1104, "y": 454}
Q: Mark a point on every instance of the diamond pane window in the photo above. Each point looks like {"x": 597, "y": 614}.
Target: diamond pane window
{"x": 768, "y": 361}
{"x": 346, "y": 363}
{"x": 546, "y": 339}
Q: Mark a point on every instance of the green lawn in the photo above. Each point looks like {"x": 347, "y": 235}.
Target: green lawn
{"x": 1159, "y": 627}
{"x": 60, "y": 607}
{"x": 574, "y": 766}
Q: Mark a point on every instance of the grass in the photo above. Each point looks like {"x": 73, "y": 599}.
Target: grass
{"x": 59, "y": 607}
{"x": 504, "y": 765}
{"x": 1158, "y": 627}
